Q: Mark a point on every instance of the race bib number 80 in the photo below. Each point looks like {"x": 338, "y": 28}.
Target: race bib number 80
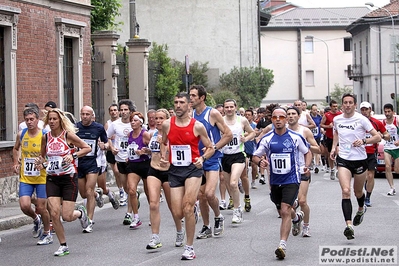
{"x": 181, "y": 155}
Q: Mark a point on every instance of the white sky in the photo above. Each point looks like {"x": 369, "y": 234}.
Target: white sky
{"x": 336, "y": 3}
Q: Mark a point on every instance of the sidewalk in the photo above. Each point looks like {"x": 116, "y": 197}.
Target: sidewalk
{"x": 11, "y": 215}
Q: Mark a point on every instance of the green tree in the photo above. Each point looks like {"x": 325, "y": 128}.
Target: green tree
{"x": 249, "y": 84}
{"x": 104, "y": 13}
{"x": 221, "y": 95}
{"x": 197, "y": 70}
{"x": 337, "y": 93}
{"x": 167, "y": 80}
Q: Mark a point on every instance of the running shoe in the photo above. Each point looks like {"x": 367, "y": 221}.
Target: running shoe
{"x": 328, "y": 170}
{"x": 231, "y": 204}
{"x": 122, "y": 198}
{"x": 115, "y": 203}
{"x": 155, "y": 243}
{"x": 237, "y": 216}
{"x": 205, "y": 232}
{"x": 180, "y": 239}
{"x": 62, "y": 251}
{"x": 247, "y": 205}
{"x": 306, "y": 232}
{"x": 316, "y": 170}
{"x": 349, "y": 232}
{"x": 135, "y": 223}
{"x": 89, "y": 228}
{"x": 391, "y": 192}
{"x": 219, "y": 226}
{"x": 45, "y": 240}
{"x": 84, "y": 219}
{"x": 280, "y": 253}
{"x": 99, "y": 198}
{"x": 296, "y": 226}
{"x": 188, "y": 253}
{"x": 359, "y": 216}
{"x": 262, "y": 180}
{"x": 196, "y": 211}
{"x": 240, "y": 187}
{"x": 37, "y": 227}
{"x": 367, "y": 202}
{"x": 253, "y": 186}
{"x": 332, "y": 174}
{"x": 128, "y": 219}
{"x": 222, "y": 205}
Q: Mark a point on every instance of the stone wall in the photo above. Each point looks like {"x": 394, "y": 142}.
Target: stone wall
{"x": 9, "y": 189}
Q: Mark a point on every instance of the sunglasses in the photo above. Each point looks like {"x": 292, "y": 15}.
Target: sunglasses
{"x": 278, "y": 117}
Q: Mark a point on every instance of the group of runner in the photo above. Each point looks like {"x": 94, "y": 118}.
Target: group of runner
{"x": 185, "y": 155}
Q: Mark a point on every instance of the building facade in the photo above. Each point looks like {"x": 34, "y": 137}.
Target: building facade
{"x": 223, "y": 33}
{"x": 375, "y": 39}
{"x": 45, "y": 55}
{"x": 308, "y": 50}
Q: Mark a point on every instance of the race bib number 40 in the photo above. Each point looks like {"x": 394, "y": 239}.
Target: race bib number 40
{"x": 181, "y": 155}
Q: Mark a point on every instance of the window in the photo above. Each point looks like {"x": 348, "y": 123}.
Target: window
{"x": 309, "y": 79}
{"x": 68, "y": 76}
{"x": 354, "y": 53}
{"x": 308, "y": 45}
{"x": 70, "y": 68}
{"x": 394, "y": 47}
{"x": 347, "y": 44}
{"x": 8, "y": 73}
{"x": 360, "y": 53}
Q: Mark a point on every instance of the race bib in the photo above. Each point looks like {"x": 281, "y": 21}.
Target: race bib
{"x": 54, "y": 165}
{"x": 131, "y": 150}
{"x": 315, "y": 131}
{"x": 281, "y": 163}
{"x": 123, "y": 144}
{"x": 234, "y": 142}
{"x": 30, "y": 167}
{"x": 181, "y": 155}
{"x": 92, "y": 144}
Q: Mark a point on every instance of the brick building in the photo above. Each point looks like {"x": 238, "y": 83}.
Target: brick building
{"x": 44, "y": 55}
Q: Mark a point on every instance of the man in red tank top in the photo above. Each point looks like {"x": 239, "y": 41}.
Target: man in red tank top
{"x": 180, "y": 137}
{"x": 327, "y": 124}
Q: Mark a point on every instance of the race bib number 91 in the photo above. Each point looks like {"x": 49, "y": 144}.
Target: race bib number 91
{"x": 181, "y": 155}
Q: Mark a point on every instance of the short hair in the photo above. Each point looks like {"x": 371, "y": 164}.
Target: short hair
{"x": 333, "y": 102}
{"x": 31, "y": 111}
{"x": 183, "y": 94}
{"x": 349, "y": 95}
{"x": 129, "y": 103}
{"x": 151, "y": 111}
{"x": 32, "y": 106}
{"x": 230, "y": 100}
{"x": 140, "y": 115}
{"x": 112, "y": 105}
{"x": 218, "y": 106}
{"x": 294, "y": 108}
{"x": 313, "y": 105}
{"x": 388, "y": 106}
{"x": 250, "y": 111}
{"x": 201, "y": 90}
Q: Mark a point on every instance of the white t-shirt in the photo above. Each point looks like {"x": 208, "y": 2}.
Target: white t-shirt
{"x": 121, "y": 131}
{"x": 349, "y": 130}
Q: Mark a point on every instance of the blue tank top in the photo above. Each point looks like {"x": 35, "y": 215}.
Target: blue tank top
{"x": 213, "y": 131}
{"x": 316, "y": 131}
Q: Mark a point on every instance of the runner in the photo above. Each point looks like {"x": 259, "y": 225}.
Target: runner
{"x": 350, "y": 130}
{"x": 185, "y": 172}
{"x": 58, "y": 147}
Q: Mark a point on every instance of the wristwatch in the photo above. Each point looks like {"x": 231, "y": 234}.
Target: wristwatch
{"x": 364, "y": 141}
{"x": 215, "y": 148}
{"x": 74, "y": 155}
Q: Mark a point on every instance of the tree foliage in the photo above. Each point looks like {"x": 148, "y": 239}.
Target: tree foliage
{"x": 221, "y": 95}
{"x": 167, "y": 80}
{"x": 197, "y": 70}
{"x": 104, "y": 13}
{"x": 337, "y": 92}
{"x": 249, "y": 84}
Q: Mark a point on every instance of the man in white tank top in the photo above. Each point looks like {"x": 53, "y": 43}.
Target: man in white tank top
{"x": 391, "y": 147}
{"x": 304, "y": 117}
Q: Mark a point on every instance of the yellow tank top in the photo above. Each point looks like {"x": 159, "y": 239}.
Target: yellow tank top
{"x": 30, "y": 149}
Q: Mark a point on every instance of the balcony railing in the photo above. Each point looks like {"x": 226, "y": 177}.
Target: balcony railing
{"x": 355, "y": 72}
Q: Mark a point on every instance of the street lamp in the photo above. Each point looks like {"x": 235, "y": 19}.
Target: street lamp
{"x": 394, "y": 52}
{"x": 328, "y": 66}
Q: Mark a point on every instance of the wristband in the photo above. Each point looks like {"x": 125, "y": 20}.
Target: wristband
{"x": 364, "y": 141}
{"x": 74, "y": 155}
{"x": 203, "y": 158}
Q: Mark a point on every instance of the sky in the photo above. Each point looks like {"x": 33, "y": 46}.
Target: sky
{"x": 337, "y": 3}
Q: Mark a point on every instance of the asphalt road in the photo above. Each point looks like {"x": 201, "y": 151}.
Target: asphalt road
{"x": 253, "y": 242}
